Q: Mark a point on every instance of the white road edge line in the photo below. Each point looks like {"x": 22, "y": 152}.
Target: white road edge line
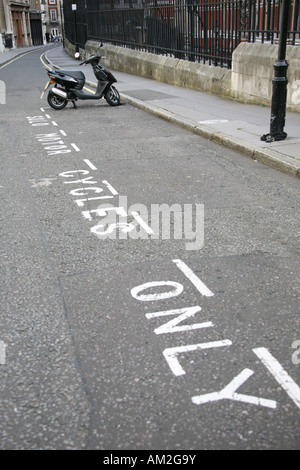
{"x": 110, "y": 187}
{"x": 90, "y": 164}
{"x": 75, "y": 147}
{"x": 143, "y": 224}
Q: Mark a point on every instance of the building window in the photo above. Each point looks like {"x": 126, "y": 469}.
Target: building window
{"x": 53, "y": 15}
{"x": 52, "y": 2}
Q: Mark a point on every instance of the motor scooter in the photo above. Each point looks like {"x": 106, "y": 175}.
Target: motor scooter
{"x": 68, "y": 85}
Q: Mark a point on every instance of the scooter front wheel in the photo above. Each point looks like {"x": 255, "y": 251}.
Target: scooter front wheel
{"x": 112, "y": 96}
{"x": 55, "y": 101}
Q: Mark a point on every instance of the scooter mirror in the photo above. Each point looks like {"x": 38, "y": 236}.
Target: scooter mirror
{"x": 76, "y": 55}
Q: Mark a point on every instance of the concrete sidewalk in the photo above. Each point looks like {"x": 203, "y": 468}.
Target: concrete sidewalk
{"x": 229, "y": 123}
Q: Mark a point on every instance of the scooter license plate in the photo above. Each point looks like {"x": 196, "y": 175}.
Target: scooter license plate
{"x": 46, "y": 87}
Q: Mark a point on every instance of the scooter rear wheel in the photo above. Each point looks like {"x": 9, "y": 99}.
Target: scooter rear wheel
{"x": 112, "y": 96}
{"x": 56, "y": 102}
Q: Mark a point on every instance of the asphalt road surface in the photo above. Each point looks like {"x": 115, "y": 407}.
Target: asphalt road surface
{"x": 117, "y": 333}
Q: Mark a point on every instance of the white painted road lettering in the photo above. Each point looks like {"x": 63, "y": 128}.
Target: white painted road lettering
{"x": 229, "y": 393}
{"x": 276, "y": 370}
{"x": 52, "y": 142}
{"x": 107, "y": 191}
{"x": 83, "y": 191}
{"x": 173, "y": 354}
{"x": 176, "y": 290}
{"x": 102, "y": 212}
{"x": 87, "y": 180}
{"x": 72, "y": 173}
{"x": 80, "y": 202}
{"x": 87, "y": 191}
{"x": 159, "y": 290}
{"x": 37, "y": 121}
{"x": 181, "y": 315}
{"x": 115, "y": 217}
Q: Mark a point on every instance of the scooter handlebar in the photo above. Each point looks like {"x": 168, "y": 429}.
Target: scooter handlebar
{"x": 91, "y": 59}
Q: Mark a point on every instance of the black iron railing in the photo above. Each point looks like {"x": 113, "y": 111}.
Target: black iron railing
{"x": 204, "y": 31}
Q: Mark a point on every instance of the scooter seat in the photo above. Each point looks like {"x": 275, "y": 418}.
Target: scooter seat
{"x": 77, "y": 74}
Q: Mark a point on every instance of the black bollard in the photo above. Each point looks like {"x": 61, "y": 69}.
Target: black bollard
{"x": 279, "y": 82}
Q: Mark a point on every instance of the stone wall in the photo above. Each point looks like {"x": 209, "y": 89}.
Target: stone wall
{"x": 179, "y": 72}
{"x": 249, "y": 81}
{"x": 252, "y": 73}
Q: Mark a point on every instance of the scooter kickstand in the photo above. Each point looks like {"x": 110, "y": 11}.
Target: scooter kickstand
{"x": 74, "y": 104}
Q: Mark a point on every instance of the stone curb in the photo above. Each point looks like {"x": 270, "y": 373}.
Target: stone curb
{"x": 268, "y": 157}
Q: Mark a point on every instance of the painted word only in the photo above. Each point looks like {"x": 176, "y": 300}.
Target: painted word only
{"x": 168, "y": 289}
